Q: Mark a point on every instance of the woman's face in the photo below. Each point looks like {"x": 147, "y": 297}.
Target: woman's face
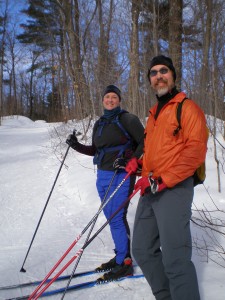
{"x": 111, "y": 101}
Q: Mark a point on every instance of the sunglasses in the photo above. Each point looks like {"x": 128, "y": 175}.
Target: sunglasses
{"x": 162, "y": 71}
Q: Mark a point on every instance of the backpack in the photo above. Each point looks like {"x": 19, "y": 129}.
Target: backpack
{"x": 200, "y": 174}
{"x": 121, "y": 148}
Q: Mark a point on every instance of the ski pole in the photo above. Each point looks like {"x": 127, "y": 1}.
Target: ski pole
{"x": 22, "y": 268}
{"x": 87, "y": 238}
{"x": 79, "y": 236}
{"x": 79, "y": 252}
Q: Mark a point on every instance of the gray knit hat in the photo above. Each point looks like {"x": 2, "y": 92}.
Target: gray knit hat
{"x": 162, "y": 60}
{"x": 112, "y": 89}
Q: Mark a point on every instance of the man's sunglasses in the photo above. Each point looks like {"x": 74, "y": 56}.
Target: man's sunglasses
{"x": 153, "y": 73}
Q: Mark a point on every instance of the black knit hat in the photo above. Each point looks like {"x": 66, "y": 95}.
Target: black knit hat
{"x": 112, "y": 89}
{"x": 162, "y": 60}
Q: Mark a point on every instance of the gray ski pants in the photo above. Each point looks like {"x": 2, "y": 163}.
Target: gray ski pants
{"x": 162, "y": 245}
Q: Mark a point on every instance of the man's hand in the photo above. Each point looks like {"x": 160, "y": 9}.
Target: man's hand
{"x": 149, "y": 184}
{"x": 143, "y": 184}
{"x": 157, "y": 185}
{"x": 132, "y": 165}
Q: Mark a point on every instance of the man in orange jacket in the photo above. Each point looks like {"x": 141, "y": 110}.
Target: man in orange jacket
{"x": 162, "y": 244}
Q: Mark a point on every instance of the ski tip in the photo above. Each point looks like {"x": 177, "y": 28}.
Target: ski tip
{"x": 22, "y": 270}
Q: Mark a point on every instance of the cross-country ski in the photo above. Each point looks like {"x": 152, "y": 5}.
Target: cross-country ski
{"x": 87, "y": 284}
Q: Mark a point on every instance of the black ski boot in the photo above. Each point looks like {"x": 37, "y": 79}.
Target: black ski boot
{"x": 123, "y": 270}
{"x": 107, "y": 266}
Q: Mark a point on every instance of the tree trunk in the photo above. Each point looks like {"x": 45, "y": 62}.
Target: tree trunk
{"x": 175, "y": 37}
{"x": 134, "y": 76}
{"x": 70, "y": 20}
{"x": 155, "y": 29}
{"x": 215, "y": 79}
{"x": 2, "y": 56}
{"x": 204, "y": 75}
{"x": 107, "y": 68}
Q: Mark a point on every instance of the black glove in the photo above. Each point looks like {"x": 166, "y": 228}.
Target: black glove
{"x": 72, "y": 140}
{"x": 120, "y": 163}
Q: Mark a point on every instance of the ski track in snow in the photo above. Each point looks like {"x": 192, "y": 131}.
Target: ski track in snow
{"x": 29, "y": 162}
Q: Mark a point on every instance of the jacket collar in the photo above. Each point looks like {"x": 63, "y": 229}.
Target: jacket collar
{"x": 178, "y": 97}
{"x": 170, "y": 95}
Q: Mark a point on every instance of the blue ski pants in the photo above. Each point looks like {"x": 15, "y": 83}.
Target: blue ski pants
{"x": 118, "y": 225}
{"x": 162, "y": 244}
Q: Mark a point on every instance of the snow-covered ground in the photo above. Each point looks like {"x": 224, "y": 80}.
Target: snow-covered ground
{"x": 30, "y": 158}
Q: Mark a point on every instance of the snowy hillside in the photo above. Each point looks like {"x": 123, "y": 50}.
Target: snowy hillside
{"x": 30, "y": 157}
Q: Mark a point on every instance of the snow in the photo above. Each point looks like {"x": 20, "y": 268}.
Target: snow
{"x": 30, "y": 158}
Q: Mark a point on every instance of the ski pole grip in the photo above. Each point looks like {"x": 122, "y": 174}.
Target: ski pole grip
{"x": 128, "y": 174}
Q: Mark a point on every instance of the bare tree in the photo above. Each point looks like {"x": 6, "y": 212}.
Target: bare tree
{"x": 175, "y": 36}
{"x": 70, "y": 14}
{"x": 4, "y": 20}
{"x": 134, "y": 76}
{"x": 206, "y": 27}
{"x": 208, "y": 241}
{"x": 13, "y": 57}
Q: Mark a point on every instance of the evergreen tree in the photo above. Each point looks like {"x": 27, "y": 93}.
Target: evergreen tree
{"x": 41, "y": 33}
{"x": 41, "y": 26}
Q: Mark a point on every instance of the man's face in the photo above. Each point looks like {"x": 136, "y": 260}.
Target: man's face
{"x": 161, "y": 79}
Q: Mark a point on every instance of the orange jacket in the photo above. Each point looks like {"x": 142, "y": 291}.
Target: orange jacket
{"x": 175, "y": 158}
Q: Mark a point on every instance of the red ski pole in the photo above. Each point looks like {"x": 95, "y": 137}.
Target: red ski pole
{"x": 79, "y": 252}
{"x": 77, "y": 239}
{"x": 88, "y": 235}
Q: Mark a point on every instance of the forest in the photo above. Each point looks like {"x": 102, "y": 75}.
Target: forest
{"x": 56, "y": 61}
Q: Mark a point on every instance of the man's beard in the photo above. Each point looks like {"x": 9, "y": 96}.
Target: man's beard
{"x": 162, "y": 91}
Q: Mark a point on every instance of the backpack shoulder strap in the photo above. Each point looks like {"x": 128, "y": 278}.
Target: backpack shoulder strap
{"x": 178, "y": 114}
{"x": 102, "y": 122}
{"x": 120, "y": 125}
{"x": 120, "y": 148}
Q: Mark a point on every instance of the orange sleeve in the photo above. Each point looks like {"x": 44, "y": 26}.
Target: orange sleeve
{"x": 195, "y": 135}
